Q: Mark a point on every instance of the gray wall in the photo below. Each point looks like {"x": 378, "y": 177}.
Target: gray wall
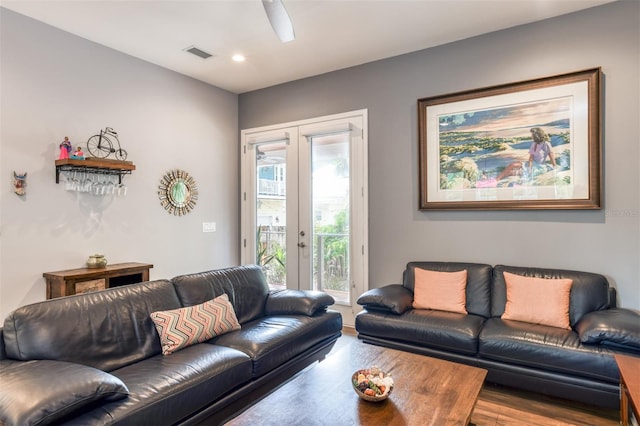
{"x": 54, "y": 85}
{"x": 605, "y": 241}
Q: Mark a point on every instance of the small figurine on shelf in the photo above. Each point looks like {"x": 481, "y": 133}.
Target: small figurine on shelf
{"x": 78, "y": 154}
{"x": 65, "y": 148}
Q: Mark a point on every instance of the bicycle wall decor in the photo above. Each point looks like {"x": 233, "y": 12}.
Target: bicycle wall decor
{"x": 99, "y": 175}
{"x": 102, "y": 145}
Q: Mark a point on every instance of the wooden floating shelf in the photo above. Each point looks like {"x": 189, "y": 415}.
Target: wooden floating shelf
{"x": 95, "y": 165}
{"x": 101, "y": 163}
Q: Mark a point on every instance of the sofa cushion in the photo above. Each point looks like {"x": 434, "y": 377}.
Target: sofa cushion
{"x": 179, "y": 328}
{"x": 394, "y": 298}
{"x": 478, "y": 290}
{"x": 246, "y": 287}
{"x": 443, "y": 291}
{"x": 112, "y": 327}
{"x": 43, "y": 392}
{"x": 166, "y": 390}
{"x": 611, "y": 327}
{"x": 273, "y": 340}
{"x": 537, "y": 300}
{"x": 303, "y": 302}
{"x": 440, "y": 330}
{"x": 589, "y": 291}
{"x": 545, "y": 348}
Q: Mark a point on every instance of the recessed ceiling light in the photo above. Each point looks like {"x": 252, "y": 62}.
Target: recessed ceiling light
{"x": 238, "y": 58}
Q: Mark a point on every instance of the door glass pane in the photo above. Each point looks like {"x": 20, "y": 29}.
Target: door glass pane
{"x": 330, "y": 215}
{"x": 271, "y": 218}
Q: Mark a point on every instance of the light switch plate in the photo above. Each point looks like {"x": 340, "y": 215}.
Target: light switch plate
{"x": 208, "y": 227}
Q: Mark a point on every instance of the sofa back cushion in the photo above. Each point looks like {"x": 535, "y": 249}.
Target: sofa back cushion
{"x": 106, "y": 329}
{"x": 478, "y": 290}
{"x": 246, "y": 287}
{"x": 589, "y": 291}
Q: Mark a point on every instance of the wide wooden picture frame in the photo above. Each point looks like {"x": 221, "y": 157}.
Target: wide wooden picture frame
{"x": 527, "y": 145}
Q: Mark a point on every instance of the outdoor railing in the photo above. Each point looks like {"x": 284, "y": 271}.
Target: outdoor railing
{"x": 271, "y": 187}
{"x": 330, "y": 272}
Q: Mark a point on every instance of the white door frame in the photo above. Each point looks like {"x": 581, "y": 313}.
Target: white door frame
{"x": 295, "y": 133}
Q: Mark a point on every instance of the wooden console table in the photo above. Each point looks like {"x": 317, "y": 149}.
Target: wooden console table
{"x": 82, "y": 280}
{"x": 629, "y": 367}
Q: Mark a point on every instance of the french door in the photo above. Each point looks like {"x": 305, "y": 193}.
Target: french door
{"x": 304, "y": 205}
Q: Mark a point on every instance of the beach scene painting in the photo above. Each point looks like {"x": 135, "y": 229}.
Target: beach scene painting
{"x": 511, "y": 146}
{"x": 527, "y": 145}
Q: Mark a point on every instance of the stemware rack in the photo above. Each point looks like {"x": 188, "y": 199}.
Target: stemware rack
{"x": 95, "y": 166}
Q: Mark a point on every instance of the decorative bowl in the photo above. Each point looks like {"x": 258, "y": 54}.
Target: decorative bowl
{"x": 97, "y": 261}
{"x": 372, "y": 384}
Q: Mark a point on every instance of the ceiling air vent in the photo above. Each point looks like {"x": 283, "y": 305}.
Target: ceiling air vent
{"x": 198, "y": 52}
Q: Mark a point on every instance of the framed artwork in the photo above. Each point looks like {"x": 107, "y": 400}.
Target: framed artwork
{"x": 526, "y": 145}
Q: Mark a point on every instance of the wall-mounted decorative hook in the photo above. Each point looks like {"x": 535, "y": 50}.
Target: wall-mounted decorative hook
{"x": 20, "y": 183}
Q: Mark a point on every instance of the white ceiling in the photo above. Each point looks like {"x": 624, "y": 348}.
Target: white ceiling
{"x": 330, "y": 34}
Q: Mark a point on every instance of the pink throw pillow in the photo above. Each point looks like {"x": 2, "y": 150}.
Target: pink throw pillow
{"x": 538, "y": 300}
{"x": 442, "y": 291}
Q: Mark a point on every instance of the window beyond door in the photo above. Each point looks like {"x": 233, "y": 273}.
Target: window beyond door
{"x": 331, "y": 210}
{"x": 271, "y": 212}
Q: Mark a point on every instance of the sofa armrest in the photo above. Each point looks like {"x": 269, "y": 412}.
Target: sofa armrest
{"x": 393, "y": 298}
{"x": 44, "y": 391}
{"x": 615, "y": 327}
{"x": 292, "y": 302}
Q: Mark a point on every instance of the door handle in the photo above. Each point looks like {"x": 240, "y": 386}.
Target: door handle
{"x": 302, "y": 245}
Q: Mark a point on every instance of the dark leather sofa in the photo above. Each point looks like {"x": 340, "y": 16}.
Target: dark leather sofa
{"x": 95, "y": 358}
{"x": 576, "y": 364}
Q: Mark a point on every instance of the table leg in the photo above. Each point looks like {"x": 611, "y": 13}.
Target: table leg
{"x": 624, "y": 405}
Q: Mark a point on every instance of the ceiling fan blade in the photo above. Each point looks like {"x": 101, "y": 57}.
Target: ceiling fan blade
{"x": 279, "y": 19}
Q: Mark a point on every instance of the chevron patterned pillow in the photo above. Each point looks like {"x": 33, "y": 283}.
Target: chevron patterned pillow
{"x": 179, "y": 328}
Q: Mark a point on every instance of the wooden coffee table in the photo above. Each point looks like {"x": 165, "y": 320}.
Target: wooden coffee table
{"x": 629, "y": 367}
{"x": 427, "y": 391}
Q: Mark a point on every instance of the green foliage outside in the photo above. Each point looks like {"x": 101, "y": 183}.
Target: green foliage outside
{"x": 271, "y": 255}
{"x": 335, "y": 253}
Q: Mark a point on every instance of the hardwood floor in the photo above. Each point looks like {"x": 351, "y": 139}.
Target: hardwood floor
{"x": 501, "y": 406}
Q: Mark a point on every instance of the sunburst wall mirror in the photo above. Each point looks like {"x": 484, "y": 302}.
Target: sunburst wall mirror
{"x": 178, "y": 192}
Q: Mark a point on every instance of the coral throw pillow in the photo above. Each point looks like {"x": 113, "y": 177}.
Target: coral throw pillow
{"x": 179, "y": 328}
{"x": 443, "y": 291}
{"x": 538, "y": 300}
